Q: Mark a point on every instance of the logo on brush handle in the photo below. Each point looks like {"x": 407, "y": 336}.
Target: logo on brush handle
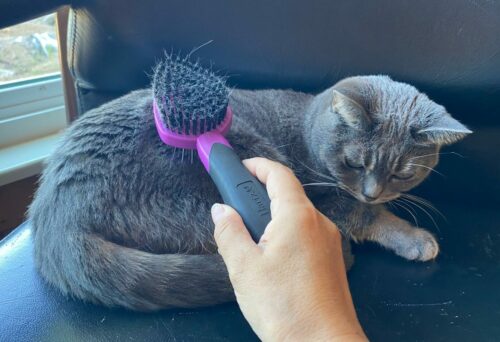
{"x": 252, "y": 191}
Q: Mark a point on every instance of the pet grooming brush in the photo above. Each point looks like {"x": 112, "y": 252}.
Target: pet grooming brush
{"x": 191, "y": 111}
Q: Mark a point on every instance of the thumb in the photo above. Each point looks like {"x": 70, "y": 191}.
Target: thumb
{"x": 231, "y": 235}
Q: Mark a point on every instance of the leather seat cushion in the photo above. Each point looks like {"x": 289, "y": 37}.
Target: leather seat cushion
{"x": 452, "y": 299}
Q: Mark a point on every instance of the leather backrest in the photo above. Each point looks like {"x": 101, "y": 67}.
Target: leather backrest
{"x": 13, "y": 12}
{"x": 448, "y": 48}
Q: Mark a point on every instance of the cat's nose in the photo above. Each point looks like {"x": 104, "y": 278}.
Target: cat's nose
{"x": 371, "y": 189}
{"x": 369, "y": 197}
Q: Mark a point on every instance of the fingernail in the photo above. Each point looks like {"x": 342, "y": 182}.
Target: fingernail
{"x": 217, "y": 212}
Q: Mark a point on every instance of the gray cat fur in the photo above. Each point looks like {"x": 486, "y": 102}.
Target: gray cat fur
{"x": 122, "y": 220}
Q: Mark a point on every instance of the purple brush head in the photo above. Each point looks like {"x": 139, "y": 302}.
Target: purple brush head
{"x": 189, "y": 101}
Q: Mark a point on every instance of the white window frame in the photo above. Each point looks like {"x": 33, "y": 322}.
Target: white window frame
{"x": 32, "y": 115}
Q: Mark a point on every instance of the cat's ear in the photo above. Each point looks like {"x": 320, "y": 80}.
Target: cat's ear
{"x": 351, "y": 112}
{"x": 444, "y": 130}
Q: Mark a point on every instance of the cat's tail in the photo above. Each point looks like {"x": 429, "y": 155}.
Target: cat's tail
{"x": 93, "y": 269}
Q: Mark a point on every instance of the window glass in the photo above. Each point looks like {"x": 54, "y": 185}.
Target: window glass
{"x": 29, "y": 49}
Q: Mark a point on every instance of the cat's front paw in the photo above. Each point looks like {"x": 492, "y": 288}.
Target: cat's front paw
{"x": 419, "y": 245}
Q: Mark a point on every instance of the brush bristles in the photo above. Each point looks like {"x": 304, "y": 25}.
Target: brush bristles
{"x": 192, "y": 99}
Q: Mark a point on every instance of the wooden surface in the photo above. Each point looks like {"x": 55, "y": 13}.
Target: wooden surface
{"x": 69, "y": 88}
{"x": 14, "y": 200}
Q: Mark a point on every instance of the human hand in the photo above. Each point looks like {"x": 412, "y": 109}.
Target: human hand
{"x": 292, "y": 285}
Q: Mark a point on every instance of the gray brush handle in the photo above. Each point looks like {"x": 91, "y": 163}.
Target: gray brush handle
{"x": 240, "y": 189}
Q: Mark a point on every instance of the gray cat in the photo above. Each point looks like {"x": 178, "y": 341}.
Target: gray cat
{"x": 121, "y": 219}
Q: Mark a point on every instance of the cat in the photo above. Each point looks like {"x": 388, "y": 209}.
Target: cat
{"x": 123, "y": 220}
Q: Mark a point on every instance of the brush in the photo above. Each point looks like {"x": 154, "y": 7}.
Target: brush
{"x": 192, "y": 112}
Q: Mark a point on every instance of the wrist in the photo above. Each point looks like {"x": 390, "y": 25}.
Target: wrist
{"x": 320, "y": 335}
{"x": 317, "y": 329}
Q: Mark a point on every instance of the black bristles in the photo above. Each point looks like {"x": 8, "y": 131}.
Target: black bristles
{"x": 191, "y": 99}
{"x": 202, "y": 126}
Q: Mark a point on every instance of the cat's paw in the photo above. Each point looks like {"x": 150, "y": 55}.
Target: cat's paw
{"x": 419, "y": 245}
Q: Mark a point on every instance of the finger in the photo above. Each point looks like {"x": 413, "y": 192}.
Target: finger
{"x": 280, "y": 180}
{"x": 232, "y": 237}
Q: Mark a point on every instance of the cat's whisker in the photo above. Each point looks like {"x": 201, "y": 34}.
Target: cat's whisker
{"x": 314, "y": 180}
{"x": 419, "y": 200}
{"x": 428, "y": 214}
{"x": 410, "y": 209}
{"x": 401, "y": 201}
{"x": 392, "y": 204}
{"x": 438, "y": 154}
{"x": 399, "y": 204}
{"x": 316, "y": 172}
{"x": 320, "y": 184}
{"x": 406, "y": 200}
{"x": 337, "y": 187}
{"x": 285, "y": 145}
{"x": 428, "y": 168}
{"x": 425, "y": 203}
{"x": 455, "y": 154}
{"x": 347, "y": 189}
{"x": 430, "y": 206}
{"x": 172, "y": 158}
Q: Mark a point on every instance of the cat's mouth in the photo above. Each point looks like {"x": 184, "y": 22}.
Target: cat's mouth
{"x": 379, "y": 200}
{"x": 368, "y": 200}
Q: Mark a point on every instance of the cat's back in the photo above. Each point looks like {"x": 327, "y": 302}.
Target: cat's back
{"x": 273, "y": 113}
{"x": 99, "y": 155}
{"x": 268, "y": 100}
{"x": 115, "y": 121}
{"x": 104, "y": 137}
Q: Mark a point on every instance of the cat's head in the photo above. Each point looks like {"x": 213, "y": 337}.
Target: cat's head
{"x": 379, "y": 138}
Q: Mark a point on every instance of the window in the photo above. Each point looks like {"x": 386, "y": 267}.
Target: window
{"x": 32, "y": 111}
{"x": 29, "y": 49}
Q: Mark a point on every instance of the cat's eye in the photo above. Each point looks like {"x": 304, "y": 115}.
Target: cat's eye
{"x": 352, "y": 164}
{"x": 403, "y": 177}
